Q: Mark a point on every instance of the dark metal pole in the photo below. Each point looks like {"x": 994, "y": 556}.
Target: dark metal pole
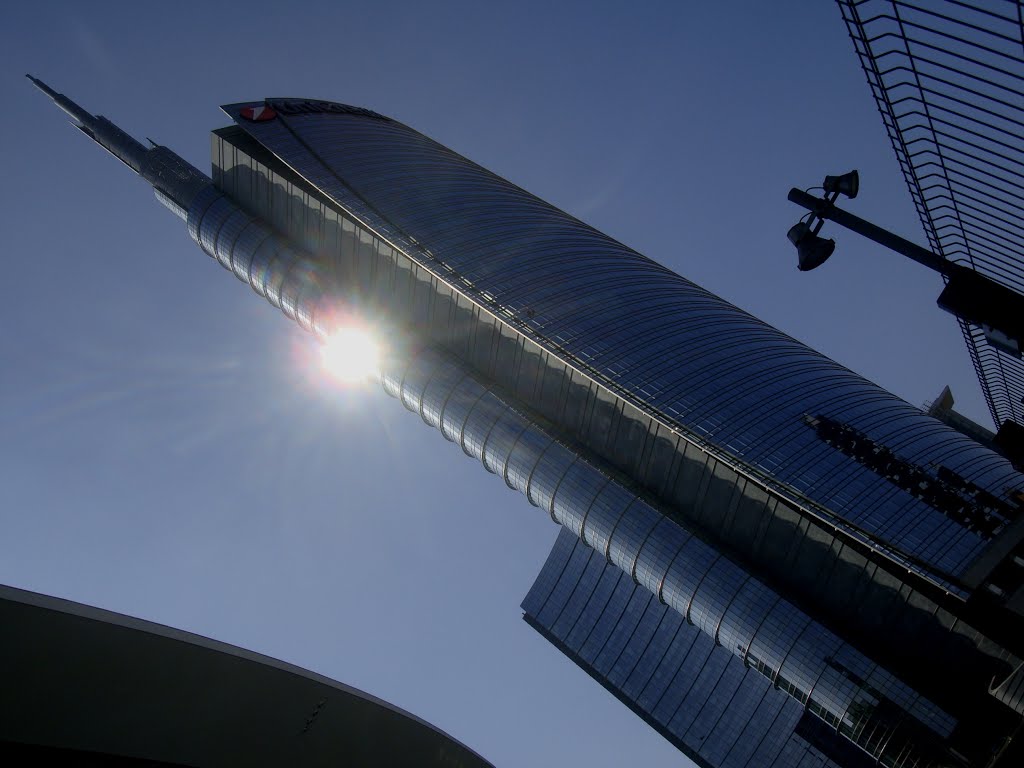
{"x": 826, "y": 209}
{"x": 968, "y": 294}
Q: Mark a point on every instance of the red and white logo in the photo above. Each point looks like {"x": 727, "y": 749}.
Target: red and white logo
{"x": 258, "y": 114}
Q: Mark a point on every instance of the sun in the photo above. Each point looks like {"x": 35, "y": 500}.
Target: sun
{"x": 350, "y": 355}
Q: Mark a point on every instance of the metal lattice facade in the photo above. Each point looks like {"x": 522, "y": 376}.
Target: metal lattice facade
{"x": 948, "y": 78}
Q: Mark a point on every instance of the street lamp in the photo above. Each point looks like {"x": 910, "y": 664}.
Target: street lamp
{"x": 812, "y": 251}
{"x": 848, "y": 184}
{"x": 974, "y": 298}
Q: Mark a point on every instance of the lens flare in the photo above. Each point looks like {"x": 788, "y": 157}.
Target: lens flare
{"x": 350, "y": 355}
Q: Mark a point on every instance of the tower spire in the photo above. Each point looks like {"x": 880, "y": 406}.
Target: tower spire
{"x": 175, "y": 180}
{"x": 98, "y": 128}
{"x": 75, "y": 112}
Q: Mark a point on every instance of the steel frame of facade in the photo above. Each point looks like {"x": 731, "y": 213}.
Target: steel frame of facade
{"x": 947, "y": 77}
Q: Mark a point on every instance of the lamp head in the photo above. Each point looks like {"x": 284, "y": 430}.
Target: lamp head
{"x": 848, "y": 184}
{"x": 812, "y": 251}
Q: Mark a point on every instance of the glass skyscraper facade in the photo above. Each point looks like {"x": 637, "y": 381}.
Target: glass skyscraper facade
{"x": 769, "y": 558}
{"x": 717, "y": 708}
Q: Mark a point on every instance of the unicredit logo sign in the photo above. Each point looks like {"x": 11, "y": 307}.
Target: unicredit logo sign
{"x": 312, "y": 107}
{"x": 258, "y": 114}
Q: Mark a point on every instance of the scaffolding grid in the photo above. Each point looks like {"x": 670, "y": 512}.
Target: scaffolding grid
{"x": 947, "y": 77}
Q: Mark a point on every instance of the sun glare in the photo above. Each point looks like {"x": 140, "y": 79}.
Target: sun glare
{"x": 350, "y": 355}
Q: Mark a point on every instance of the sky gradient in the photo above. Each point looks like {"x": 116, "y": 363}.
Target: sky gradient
{"x": 170, "y": 446}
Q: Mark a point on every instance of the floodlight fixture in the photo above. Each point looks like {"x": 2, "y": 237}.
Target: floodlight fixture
{"x": 812, "y": 250}
{"x": 847, "y": 184}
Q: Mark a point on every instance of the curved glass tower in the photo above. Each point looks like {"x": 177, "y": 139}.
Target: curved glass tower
{"x": 720, "y": 485}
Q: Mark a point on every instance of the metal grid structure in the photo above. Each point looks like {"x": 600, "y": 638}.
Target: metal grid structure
{"x": 948, "y": 79}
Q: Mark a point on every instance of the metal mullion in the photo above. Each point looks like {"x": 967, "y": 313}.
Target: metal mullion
{"x": 958, "y": 22}
{"x": 998, "y": 258}
{"x": 661, "y": 659}
{"x": 960, "y": 151}
{"x": 950, "y": 36}
{"x": 980, "y": 179}
{"x": 558, "y": 581}
{"x": 989, "y": 200}
{"x": 983, "y": 110}
{"x": 957, "y": 126}
{"x": 886, "y": 109}
{"x": 946, "y": 67}
{"x": 928, "y": 116}
{"x": 943, "y": 51}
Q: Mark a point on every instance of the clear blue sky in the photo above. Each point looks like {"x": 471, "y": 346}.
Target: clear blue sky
{"x": 170, "y": 449}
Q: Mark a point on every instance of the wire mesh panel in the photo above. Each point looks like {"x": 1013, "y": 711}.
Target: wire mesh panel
{"x": 948, "y": 79}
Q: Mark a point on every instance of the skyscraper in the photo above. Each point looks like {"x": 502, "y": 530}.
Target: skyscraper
{"x": 845, "y": 561}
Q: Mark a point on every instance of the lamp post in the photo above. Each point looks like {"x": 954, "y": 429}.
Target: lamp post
{"x": 974, "y": 298}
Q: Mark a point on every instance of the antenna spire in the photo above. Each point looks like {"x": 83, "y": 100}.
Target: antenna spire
{"x": 171, "y": 175}
{"x": 75, "y": 112}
